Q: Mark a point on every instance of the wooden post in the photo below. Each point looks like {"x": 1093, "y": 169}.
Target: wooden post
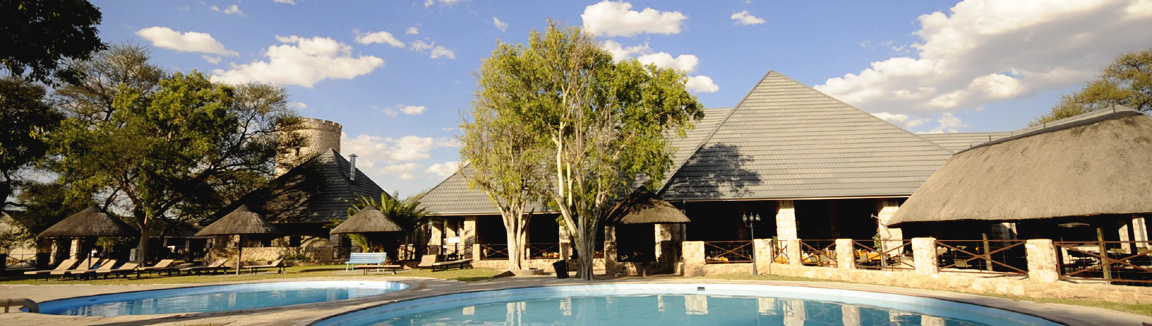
{"x": 1104, "y": 264}
{"x": 987, "y": 257}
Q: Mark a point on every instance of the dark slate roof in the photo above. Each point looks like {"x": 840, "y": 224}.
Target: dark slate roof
{"x": 453, "y": 198}
{"x": 785, "y": 140}
{"x": 317, "y": 190}
{"x": 959, "y": 141}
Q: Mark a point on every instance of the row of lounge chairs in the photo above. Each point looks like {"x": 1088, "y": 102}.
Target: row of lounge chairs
{"x": 94, "y": 267}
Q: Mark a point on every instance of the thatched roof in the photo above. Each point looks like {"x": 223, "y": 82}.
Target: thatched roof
{"x": 1097, "y": 166}
{"x": 643, "y": 208}
{"x": 240, "y": 221}
{"x": 90, "y": 222}
{"x": 368, "y": 220}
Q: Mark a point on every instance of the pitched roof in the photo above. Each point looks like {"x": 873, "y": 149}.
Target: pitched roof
{"x": 367, "y": 220}
{"x": 785, "y": 140}
{"x": 1086, "y": 167}
{"x": 317, "y": 190}
{"x": 91, "y": 221}
{"x": 240, "y": 221}
{"x": 453, "y": 198}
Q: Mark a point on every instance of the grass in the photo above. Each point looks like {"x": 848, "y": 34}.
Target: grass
{"x": 465, "y": 275}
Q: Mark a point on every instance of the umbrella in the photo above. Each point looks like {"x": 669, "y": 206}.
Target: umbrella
{"x": 368, "y": 220}
{"x": 240, "y": 222}
{"x": 90, "y": 222}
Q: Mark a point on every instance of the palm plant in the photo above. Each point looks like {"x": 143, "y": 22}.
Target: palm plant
{"x": 406, "y": 213}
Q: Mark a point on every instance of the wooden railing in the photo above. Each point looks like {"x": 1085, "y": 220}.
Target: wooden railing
{"x": 883, "y": 254}
{"x": 543, "y": 250}
{"x": 1113, "y": 261}
{"x": 1002, "y": 256}
{"x": 727, "y": 252}
{"x": 821, "y": 253}
{"x": 493, "y": 251}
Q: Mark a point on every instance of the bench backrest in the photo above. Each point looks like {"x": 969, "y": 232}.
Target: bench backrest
{"x": 367, "y": 257}
{"x": 427, "y": 260}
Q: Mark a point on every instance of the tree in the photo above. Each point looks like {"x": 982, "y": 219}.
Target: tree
{"x": 605, "y": 123}
{"x": 39, "y": 34}
{"x": 25, "y": 120}
{"x": 406, "y": 213}
{"x": 505, "y": 164}
{"x": 1127, "y": 81}
{"x": 166, "y": 151}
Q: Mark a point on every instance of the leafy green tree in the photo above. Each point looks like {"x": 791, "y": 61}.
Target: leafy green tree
{"x": 165, "y": 152}
{"x": 39, "y": 34}
{"x": 407, "y": 213}
{"x": 25, "y": 120}
{"x": 605, "y": 124}
{"x": 502, "y": 162}
{"x": 1127, "y": 81}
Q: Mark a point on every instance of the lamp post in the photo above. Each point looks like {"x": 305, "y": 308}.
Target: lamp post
{"x": 750, "y": 220}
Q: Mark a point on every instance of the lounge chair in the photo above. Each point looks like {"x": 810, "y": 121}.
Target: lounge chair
{"x": 217, "y": 265}
{"x": 64, "y": 265}
{"x": 279, "y": 264}
{"x": 429, "y": 262}
{"x": 124, "y": 269}
{"x": 84, "y": 267}
{"x": 162, "y": 265}
{"x": 105, "y": 266}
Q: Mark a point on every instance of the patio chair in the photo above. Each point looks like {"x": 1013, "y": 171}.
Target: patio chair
{"x": 64, "y": 265}
{"x": 124, "y": 269}
{"x": 162, "y": 265}
{"x": 217, "y": 265}
{"x": 105, "y": 267}
{"x": 279, "y": 264}
{"x": 429, "y": 262}
{"x": 84, "y": 267}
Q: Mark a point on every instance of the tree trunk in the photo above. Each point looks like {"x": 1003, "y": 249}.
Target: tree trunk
{"x": 142, "y": 247}
{"x": 514, "y": 248}
{"x": 587, "y": 244}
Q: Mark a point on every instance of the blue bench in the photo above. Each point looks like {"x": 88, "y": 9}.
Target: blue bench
{"x": 374, "y": 258}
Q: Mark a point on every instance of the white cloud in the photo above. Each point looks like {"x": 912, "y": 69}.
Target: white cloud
{"x": 701, "y": 84}
{"x": 948, "y": 124}
{"x": 429, "y": 3}
{"x": 901, "y": 119}
{"x": 621, "y": 53}
{"x": 379, "y": 37}
{"x": 443, "y": 169}
{"x": 744, "y": 18}
{"x": 608, "y": 18}
{"x": 291, "y": 2}
{"x": 298, "y": 106}
{"x": 375, "y": 149}
{"x": 412, "y": 31}
{"x": 437, "y": 51}
{"x": 983, "y": 51}
{"x": 442, "y": 52}
{"x": 501, "y": 25}
{"x": 684, "y": 63}
{"x": 230, "y": 10}
{"x": 166, "y": 38}
{"x": 413, "y": 109}
{"x": 301, "y": 61}
{"x": 211, "y": 59}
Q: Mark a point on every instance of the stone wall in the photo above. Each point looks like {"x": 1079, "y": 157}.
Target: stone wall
{"x": 322, "y": 255}
{"x": 542, "y": 264}
{"x": 1042, "y": 281}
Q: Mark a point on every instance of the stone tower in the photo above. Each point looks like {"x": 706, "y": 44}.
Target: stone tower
{"x": 319, "y": 135}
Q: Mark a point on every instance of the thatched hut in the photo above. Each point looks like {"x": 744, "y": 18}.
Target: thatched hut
{"x": 242, "y": 222}
{"x": 1044, "y": 183}
{"x": 90, "y": 222}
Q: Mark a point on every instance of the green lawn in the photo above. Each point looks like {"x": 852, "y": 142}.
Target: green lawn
{"x": 466, "y": 275}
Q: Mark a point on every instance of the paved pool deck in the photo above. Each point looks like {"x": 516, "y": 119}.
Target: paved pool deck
{"x": 428, "y": 287}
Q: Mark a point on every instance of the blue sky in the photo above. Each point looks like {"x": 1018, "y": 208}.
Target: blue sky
{"x": 398, "y": 74}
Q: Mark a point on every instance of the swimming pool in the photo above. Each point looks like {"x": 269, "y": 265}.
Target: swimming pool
{"x": 217, "y": 298}
{"x": 680, "y": 304}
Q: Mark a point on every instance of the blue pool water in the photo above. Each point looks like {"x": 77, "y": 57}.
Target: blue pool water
{"x": 217, "y": 298}
{"x": 680, "y": 304}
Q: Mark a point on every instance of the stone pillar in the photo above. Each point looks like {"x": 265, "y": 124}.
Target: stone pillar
{"x": 468, "y": 235}
{"x": 665, "y": 247}
{"x": 785, "y": 220}
{"x": 476, "y": 252}
{"x": 890, "y": 237}
{"x": 924, "y": 256}
{"x": 610, "y": 265}
{"x": 763, "y": 248}
{"x": 1042, "y": 266}
{"x": 845, "y": 256}
{"x": 436, "y": 239}
{"x": 850, "y": 315}
{"x": 795, "y": 257}
{"x": 693, "y": 252}
{"x": 1139, "y": 231}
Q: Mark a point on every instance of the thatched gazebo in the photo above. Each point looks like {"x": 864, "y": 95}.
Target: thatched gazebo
{"x": 644, "y": 208}
{"x": 240, "y": 222}
{"x": 1092, "y": 171}
{"x": 90, "y": 222}
{"x": 641, "y": 216}
{"x": 369, "y": 220}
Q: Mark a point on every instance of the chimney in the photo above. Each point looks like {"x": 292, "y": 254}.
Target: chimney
{"x": 352, "y": 167}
